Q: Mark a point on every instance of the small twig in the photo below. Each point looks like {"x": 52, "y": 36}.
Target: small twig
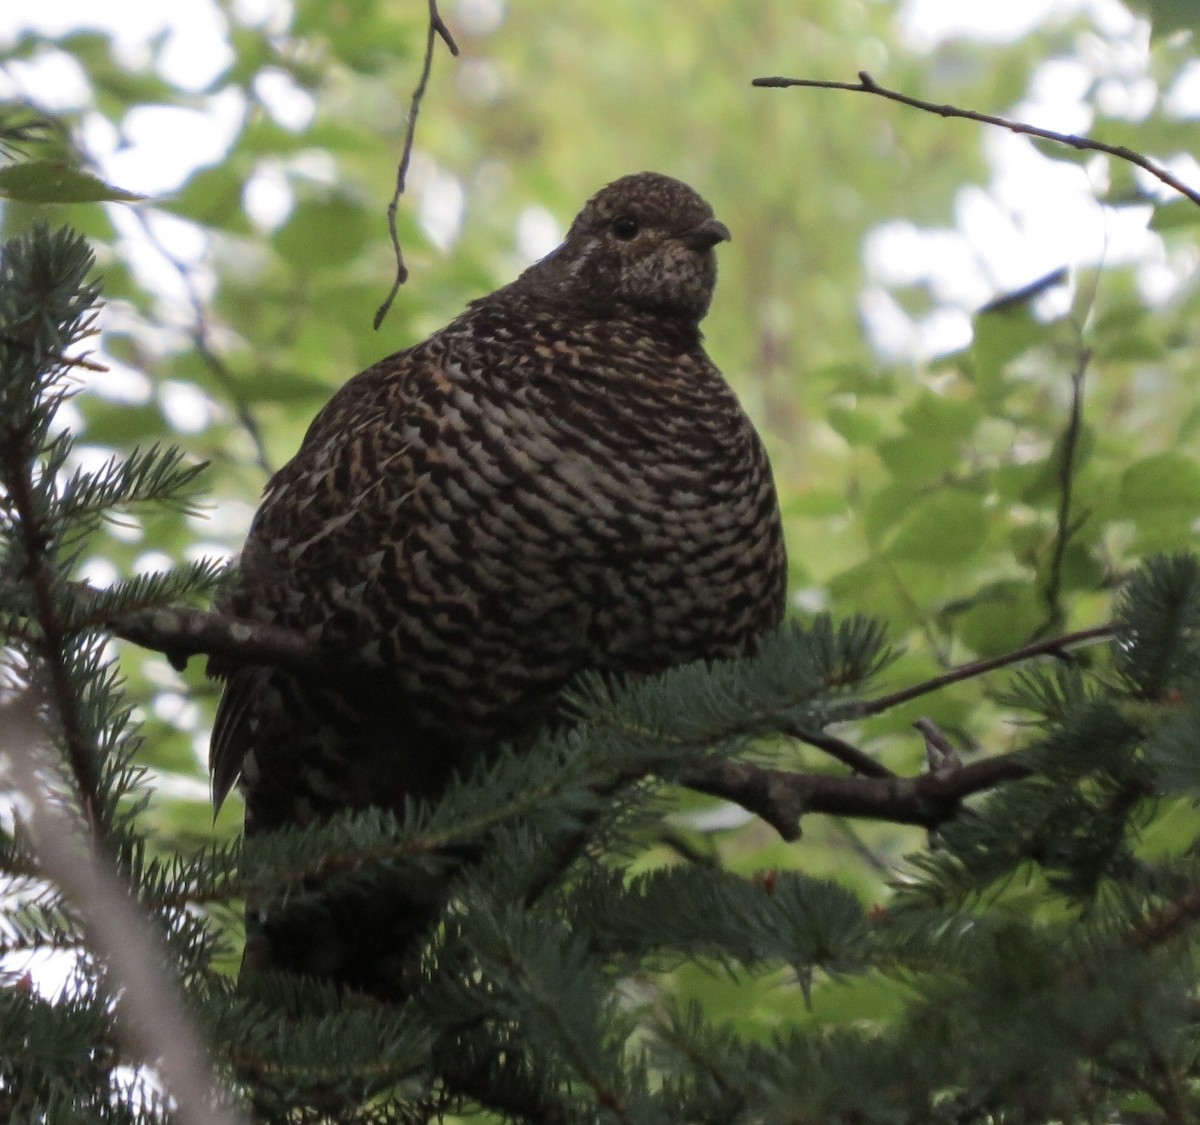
{"x": 437, "y": 30}
{"x": 55, "y": 357}
{"x": 845, "y": 752}
{"x": 940, "y": 753}
{"x": 1066, "y": 479}
{"x": 1051, "y": 647}
{"x": 202, "y": 341}
{"x": 867, "y": 85}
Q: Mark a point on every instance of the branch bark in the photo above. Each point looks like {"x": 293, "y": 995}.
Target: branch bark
{"x": 437, "y": 30}
{"x": 782, "y": 798}
{"x": 867, "y": 85}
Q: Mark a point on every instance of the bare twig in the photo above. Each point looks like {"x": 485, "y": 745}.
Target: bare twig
{"x": 153, "y": 1018}
{"x": 845, "y": 752}
{"x": 1065, "y": 527}
{"x": 437, "y": 30}
{"x": 202, "y": 341}
{"x": 1054, "y": 646}
{"x": 940, "y": 753}
{"x": 867, "y": 85}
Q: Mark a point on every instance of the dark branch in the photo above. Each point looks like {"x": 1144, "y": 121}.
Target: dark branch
{"x": 782, "y": 798}
{"x": 232, "y": 641}
{"x": 437, "y": 30}
{"x": 867, "y": 85}
{"x": 1053, "y": 646}
{"x": 845, "y": 752}
{"x": 201, "y": 335}
{"x": 1065, "y": 526}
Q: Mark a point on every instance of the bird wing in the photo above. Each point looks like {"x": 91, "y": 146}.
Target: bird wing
{"x": 324, "y": 519}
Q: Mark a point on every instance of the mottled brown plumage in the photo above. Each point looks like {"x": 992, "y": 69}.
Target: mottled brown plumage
{"x": 559, "y": 480}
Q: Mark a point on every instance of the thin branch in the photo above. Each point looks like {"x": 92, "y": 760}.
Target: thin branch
{"x": 16, "y": 472}
{"x": 202, "y": 341}
{"x": 437, "y": 30}
{"x": 867, "y": 85}
{"x": 64, "y": 361}
{"x": 1066, "y": 479}
{"x": 845, "y": 752}
{"x": 233, "y": 641}
{"x": 1054, "y": 646}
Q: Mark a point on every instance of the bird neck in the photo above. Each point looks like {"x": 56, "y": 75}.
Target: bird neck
{"x": 558, "y": 312}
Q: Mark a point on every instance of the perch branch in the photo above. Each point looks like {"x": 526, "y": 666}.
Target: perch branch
{"x": 783, "y": 798}
{"x": 867, "y": 85}
{"x": 780, "y": 797}
{"x": 437, "y": 30}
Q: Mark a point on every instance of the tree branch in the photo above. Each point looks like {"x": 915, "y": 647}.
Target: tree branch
{"x": 182, "y": 633}
{"x": 782, "y": 798}
{"x": 1065, "y": 526}
{"x": 867, "y": 85}
{"x": 437, "y": 30}
{"x": 1053, "y": 646}
{"x": 845, "y": 752}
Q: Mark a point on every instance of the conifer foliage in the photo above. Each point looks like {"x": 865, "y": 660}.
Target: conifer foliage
{"x": 1034, "y": 964}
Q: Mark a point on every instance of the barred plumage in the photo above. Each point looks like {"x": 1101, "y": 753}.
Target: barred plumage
{"x": 559, "y": 480}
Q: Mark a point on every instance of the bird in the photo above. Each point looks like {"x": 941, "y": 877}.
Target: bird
{"x": 559, "y": 481}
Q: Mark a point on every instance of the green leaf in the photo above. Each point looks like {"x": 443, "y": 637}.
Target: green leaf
{"x": 1175, "y": 215}
{"x": 943, "y": 529}
{"x": 51, "y": 181}
{"x": 1168, "y": 16}
{"x": 999, "y": 338}
{"x": 854, "y": 426}
{"x": 212, "y": 196}
{"x": 324, "y": 233}
{"x": 1165, "y": 480}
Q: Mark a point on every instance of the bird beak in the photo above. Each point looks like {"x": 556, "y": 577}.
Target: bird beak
{"x": 706, "y": 235}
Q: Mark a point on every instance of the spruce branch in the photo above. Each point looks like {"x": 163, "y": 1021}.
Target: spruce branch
{"x": 867, "y": 85}
{"x": 780, "y": 797}
{"x": 45, "y": 309}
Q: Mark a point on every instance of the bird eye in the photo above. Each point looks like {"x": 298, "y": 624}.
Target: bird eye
{"x": 625, "y": 227}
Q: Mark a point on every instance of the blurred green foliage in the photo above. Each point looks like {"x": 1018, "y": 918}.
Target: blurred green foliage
{"x": 926, "y": 492}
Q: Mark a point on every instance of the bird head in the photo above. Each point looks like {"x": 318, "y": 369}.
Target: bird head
{"x": 643, "y": 243}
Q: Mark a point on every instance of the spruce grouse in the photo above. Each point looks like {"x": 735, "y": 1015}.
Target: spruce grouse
{"x": 559, "y": 480}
